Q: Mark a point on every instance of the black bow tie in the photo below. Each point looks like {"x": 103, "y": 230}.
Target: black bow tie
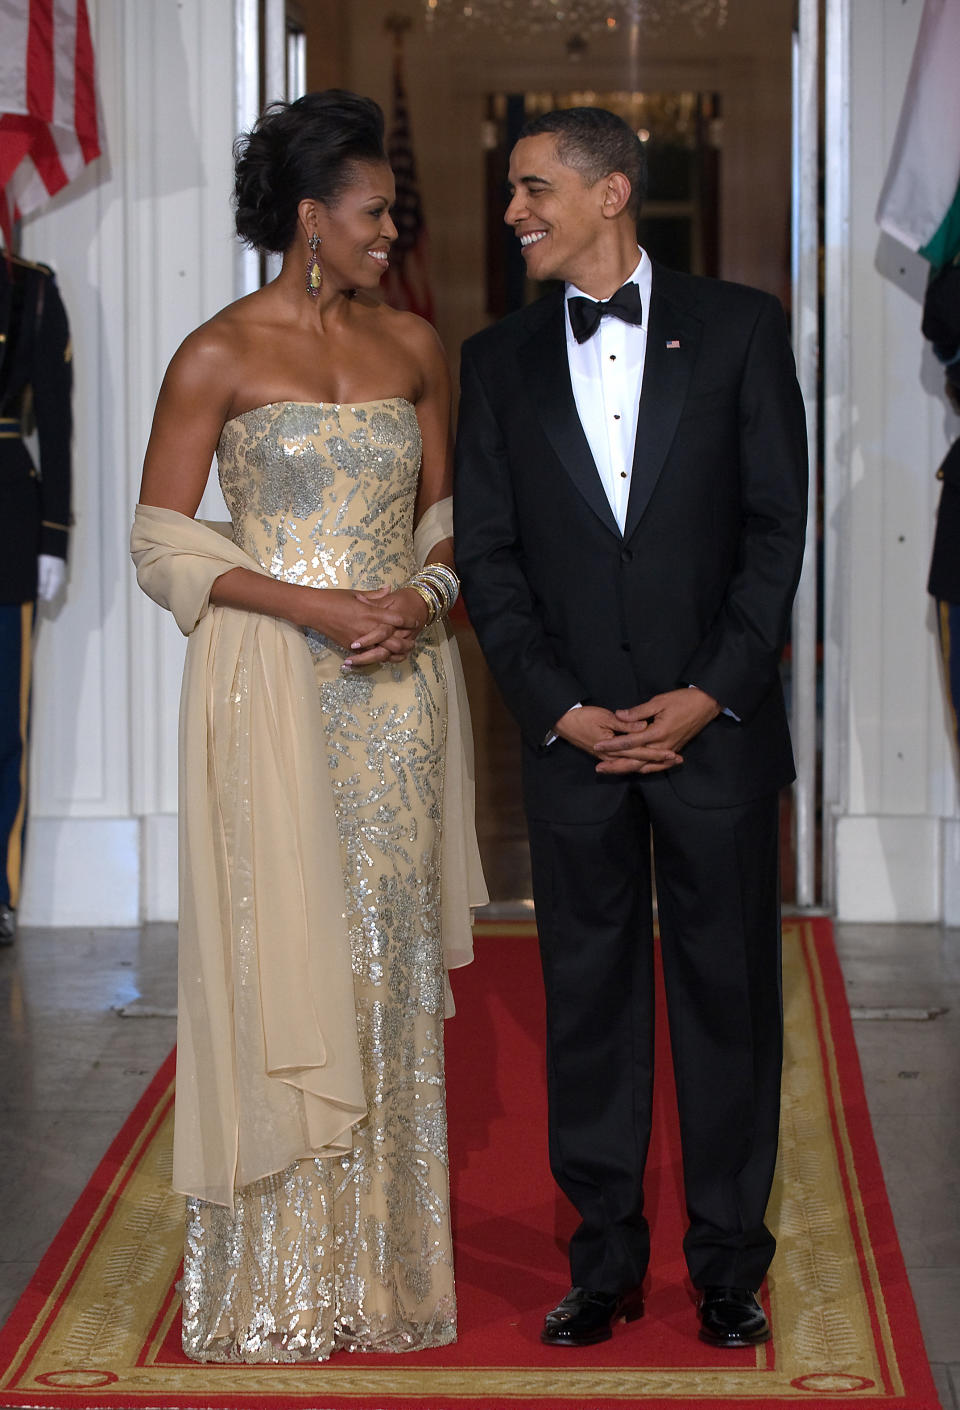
{"x": 585, "y": 314}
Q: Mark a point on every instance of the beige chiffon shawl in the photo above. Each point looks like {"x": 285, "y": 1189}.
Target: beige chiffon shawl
{"x": 258, "y": 839}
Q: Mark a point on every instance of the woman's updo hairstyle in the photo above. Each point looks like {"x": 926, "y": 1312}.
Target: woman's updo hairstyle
{"x": 301, "y": 151}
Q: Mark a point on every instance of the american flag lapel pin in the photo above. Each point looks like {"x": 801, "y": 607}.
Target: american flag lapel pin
{"x": 673, "y": 342}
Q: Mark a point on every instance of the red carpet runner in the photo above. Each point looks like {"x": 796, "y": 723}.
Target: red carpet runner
{"x": 99, "y": 1324}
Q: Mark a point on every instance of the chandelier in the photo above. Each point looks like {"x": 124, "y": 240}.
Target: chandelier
{"x": 516, "y": 18}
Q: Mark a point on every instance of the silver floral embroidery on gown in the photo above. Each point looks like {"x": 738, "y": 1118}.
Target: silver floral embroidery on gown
{"x": 351, "y": 1252}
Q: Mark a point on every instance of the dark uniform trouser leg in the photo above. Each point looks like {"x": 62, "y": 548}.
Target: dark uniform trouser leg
{"x": 717, "y": 879}
{"x": 16, "y": 632}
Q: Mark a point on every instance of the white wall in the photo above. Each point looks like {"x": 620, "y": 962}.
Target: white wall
{"x": 143, "y": 252}
{"x": 890, "y": 769}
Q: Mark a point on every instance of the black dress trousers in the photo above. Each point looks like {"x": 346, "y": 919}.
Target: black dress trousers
{"x": 719, "y": 917}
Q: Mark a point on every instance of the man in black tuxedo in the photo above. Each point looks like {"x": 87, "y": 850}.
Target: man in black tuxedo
{"x": 630, "y": 506}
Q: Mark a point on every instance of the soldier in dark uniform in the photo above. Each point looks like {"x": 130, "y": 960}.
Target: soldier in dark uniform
{"x": 35, "y": 382}
{"x": 941, "y": 325}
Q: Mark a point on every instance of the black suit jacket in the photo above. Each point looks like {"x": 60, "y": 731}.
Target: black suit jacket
{"x": 35, "y": 387}
{"x": 699, "y": 587}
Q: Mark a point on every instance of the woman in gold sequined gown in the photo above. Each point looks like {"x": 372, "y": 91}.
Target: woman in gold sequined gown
{"x": 311, "y": 1126}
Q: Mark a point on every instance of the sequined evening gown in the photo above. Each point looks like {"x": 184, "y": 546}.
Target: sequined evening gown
{"x": 353, "y": 1251}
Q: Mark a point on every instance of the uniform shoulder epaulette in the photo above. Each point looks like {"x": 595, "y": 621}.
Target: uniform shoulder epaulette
{"x": 27, "y": 263}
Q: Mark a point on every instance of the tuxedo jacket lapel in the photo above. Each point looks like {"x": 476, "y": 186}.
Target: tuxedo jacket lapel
{"x": 673, "y": 336}
{"x": 543, "y": 360}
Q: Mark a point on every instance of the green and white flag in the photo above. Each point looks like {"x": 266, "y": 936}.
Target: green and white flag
{"x": 920, "y": 201}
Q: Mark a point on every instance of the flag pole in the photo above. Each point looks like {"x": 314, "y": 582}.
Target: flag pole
{"x": 397, "y": 24}
{"x": 407, "y": 285}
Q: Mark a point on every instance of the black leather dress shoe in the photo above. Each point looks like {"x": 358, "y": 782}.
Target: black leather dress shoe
{"x": 583, "y": 1318}
{"x": 8, "y": 924}
{"x": 732, "y": 1317}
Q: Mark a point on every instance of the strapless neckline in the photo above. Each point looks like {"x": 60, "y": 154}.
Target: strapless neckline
{"x": 269, "y": 405}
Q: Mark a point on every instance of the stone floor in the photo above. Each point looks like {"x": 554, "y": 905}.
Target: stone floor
{"x": 911, "y": 1067}
{"x": 86, "y": 1021}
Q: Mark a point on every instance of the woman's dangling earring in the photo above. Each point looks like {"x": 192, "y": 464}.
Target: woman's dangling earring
{"x": 314, "y": 270}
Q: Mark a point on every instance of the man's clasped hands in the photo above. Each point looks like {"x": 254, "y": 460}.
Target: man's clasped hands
{"x": 644, "y": 739}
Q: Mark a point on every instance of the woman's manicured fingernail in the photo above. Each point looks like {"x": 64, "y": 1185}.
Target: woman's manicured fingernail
{"x": 354, "y": 646}
{"x": 347, "y": 666}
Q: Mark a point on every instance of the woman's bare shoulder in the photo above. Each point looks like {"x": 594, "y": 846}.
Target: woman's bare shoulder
{"x": 413, "y": 330}
{"x": 220, "y": 334}
{"x": 418, "y": 338}
{"x": 208, "y": 356}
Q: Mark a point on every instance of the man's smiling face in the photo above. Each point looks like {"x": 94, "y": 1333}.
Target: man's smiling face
{"x": 556, "y": 214}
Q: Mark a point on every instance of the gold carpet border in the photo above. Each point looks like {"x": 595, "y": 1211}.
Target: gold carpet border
{"x": 504, "y": 929}
{"x": 819, "y": 1306}
{"x": 153, "y": 1128}
{"x": 846, "y": 1148}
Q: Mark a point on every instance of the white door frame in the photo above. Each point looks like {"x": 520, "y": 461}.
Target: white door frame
{"x": 822, "y": 351}
{"x": 836, "y": 375}
{"x": 805, "y": 259}
{"x": 247, "y": 100}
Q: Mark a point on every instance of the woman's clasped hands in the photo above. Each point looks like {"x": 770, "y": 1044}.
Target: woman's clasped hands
{"x": 378, "y": 625}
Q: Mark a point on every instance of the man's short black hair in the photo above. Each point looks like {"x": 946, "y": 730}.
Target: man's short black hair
{"x": 596, "y": 142}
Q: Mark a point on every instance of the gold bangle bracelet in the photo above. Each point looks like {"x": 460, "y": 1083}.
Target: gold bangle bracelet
{"x": 428, "y": 598}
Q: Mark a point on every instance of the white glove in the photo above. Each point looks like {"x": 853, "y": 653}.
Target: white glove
{"x": 51, "y": 572}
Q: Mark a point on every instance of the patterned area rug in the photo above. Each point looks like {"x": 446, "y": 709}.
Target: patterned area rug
{"x": 98, "y": 1328}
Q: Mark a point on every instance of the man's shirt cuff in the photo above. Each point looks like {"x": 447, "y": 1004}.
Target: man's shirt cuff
{"x": 552, "y": 738}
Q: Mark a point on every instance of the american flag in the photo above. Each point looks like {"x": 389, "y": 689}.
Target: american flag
{"x": 407, "y": 283}
{"x": 49, "y": 129}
